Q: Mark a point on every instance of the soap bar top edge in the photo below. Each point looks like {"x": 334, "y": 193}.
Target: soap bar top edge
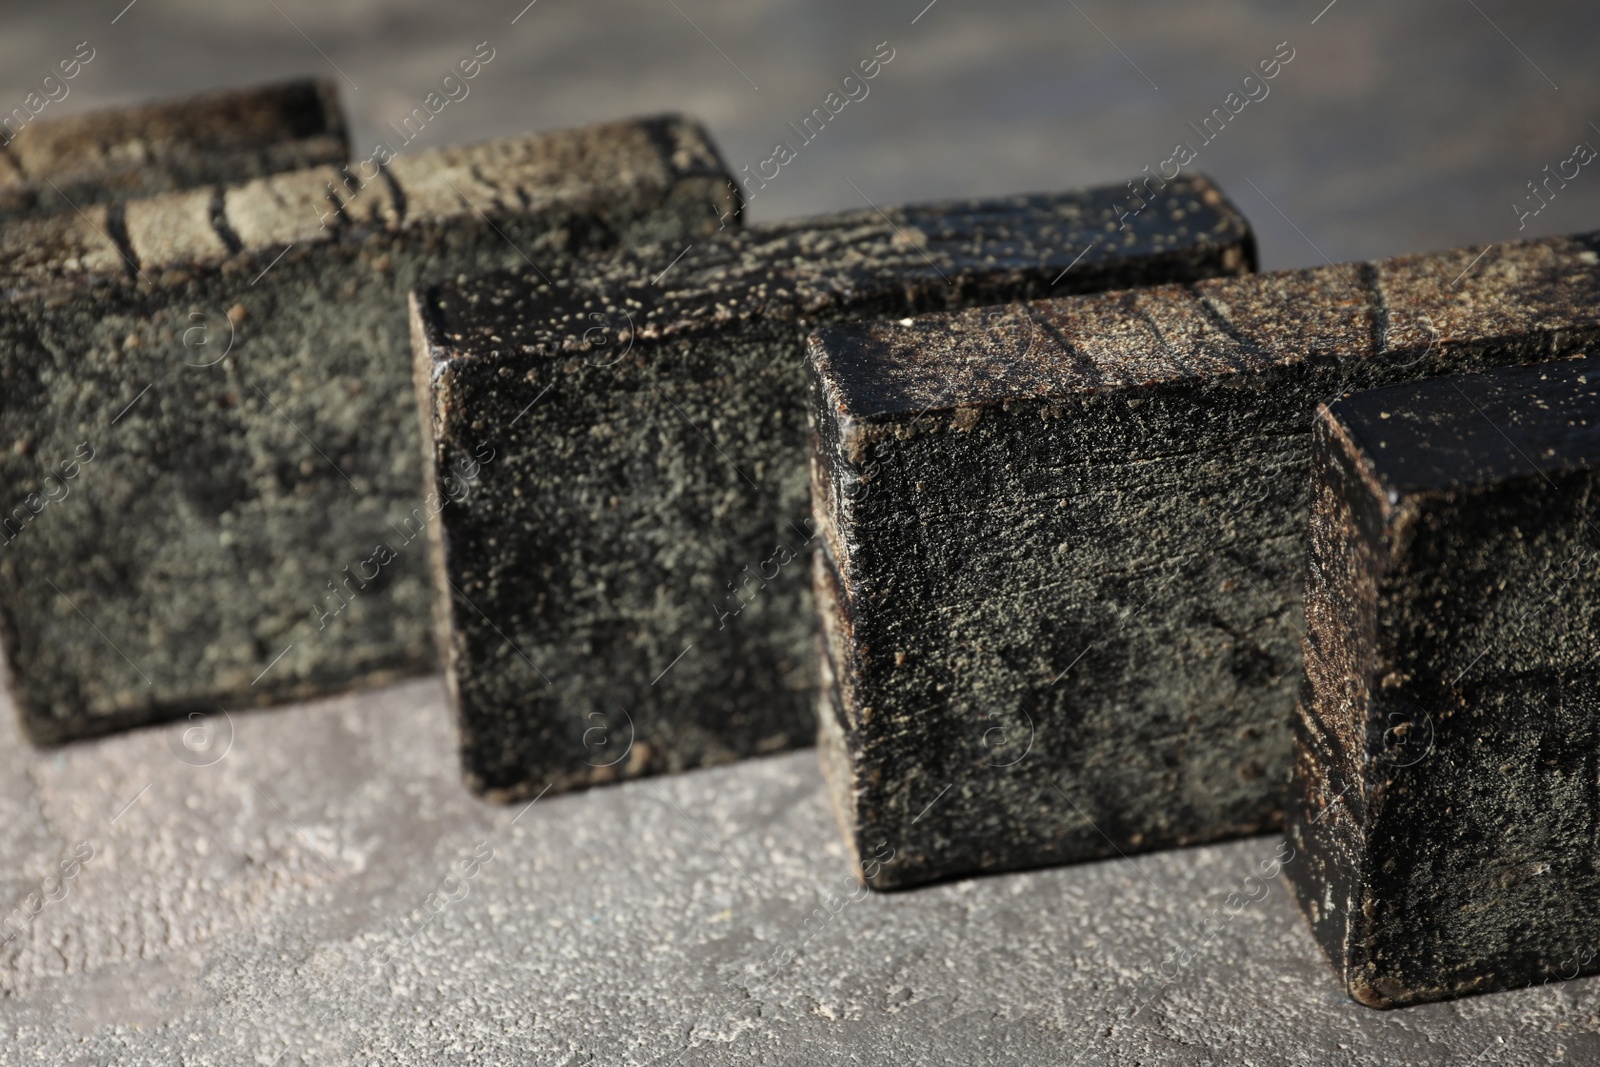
{"x": 1397, "y": 308}
{"x": 661, "y": 291}
{"x": 1469, "y": 430}
{"x": 276, "y": 115}
{"x": 324, "y": 204}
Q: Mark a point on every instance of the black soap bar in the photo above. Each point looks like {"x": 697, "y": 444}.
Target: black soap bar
{"x": 627, "y": 587}
{"x": 211, "y": 466}
{"x": 1061, "y": 586}
{"x": 102, "y": 157}
{"x": 1444, "y": 799}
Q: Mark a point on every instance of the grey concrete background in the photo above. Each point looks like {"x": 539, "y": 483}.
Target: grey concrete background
{"x": 247, "y": 895}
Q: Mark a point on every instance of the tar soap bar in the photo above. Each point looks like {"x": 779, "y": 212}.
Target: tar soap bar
{"x": 627, "y": 591}
{"x": 1444, "y": 799}
{"x": 227, "y": 375}
{"x": 1061, "y": 584}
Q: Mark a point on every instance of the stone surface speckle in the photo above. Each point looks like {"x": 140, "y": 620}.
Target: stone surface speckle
{"x": 257, "y": 906}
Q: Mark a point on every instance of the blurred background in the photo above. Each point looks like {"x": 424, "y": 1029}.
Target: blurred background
{"x": 229, "y": 912}
{"x": 1395, "y": 128}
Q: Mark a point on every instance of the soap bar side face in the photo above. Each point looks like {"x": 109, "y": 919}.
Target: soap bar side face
{"x": 603, "y": 481}
{"x": 1482, "y": 853}
{"x": 1347, "y": 554}
{"x": 1012, "y": 644}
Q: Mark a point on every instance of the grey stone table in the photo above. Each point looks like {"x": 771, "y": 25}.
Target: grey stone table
{"x": 258, "y": 905}
{"x": 252, "y": 888}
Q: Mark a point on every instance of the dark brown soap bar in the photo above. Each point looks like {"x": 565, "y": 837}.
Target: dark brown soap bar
{"x": 1444, "y": 803}
{"x": 117, "y": 154}
{"x": 211, "y": 465}
{"x": 1062, "y": 585}
{"x": 627, "y": 588}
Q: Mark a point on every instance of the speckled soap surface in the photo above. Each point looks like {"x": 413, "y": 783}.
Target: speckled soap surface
{"x": 616, "y": 582}
{"x": 1449, "y": 685}
{"x": 1062, "y": 578}
{"x": 221, "y": 376}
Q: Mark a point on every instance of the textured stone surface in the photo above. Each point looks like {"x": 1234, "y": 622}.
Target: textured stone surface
{"x": 632, "y": 566}
{"x": 244, "y": 527}
{"x": 256, "y": 901}
{"x": 1449, "y": 731}
{"x": 56, "y": 164}
{"x": 1068, "y": 578}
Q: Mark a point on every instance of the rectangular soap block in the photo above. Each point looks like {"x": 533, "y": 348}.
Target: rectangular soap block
{"x": 1444, "y": 801}
{"x": 227, "y": 375}
{"x": 1062, "y": 581}
{"x": 122, "y": 153}
{"x": 626, "y": 589}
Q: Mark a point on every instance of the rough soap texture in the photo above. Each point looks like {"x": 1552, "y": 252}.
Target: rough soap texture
{"x": 628, "y": 588}
{"x": 236, "y": 366}
{"x": 1448, "y": 739}
{"x": 119, "y": 154}
{"x": 1065, "y": 582}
